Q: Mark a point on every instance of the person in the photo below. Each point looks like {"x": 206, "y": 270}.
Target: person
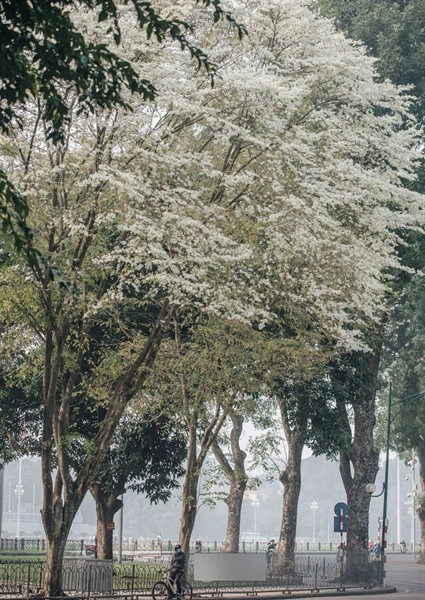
{"x": 340, "y": 553}
{"x": 198, "y": 545}
{"x": 270, "y": 550}
{"x": 177, "y": 566}
{"x": 375, "y": 552}
{"x": 402, "y": 547}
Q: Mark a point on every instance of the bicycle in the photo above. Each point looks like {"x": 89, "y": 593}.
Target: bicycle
{"x": 167, "y": 588}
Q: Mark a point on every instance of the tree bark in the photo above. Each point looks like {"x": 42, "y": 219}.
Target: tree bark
{"x": 290, "y": 477}
{"x": 1, "y": 499}
{"x": 234, "y": 504}
{"x": 237, "y": 479}
{"x": 107, "y": 505}
{"x": 55, "y": 549}
{"x": 189, "y": 492}
{"x": 291, "y": 481}
{"x": 363, "y": 457}
{"x": 420, "y": 511}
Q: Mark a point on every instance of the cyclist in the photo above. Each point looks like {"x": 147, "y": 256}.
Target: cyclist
{"x": 177, "y": 566}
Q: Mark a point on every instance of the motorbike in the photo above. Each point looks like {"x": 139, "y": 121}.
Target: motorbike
{"x": 90, "y": 549}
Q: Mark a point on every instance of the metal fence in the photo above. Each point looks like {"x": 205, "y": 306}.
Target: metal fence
{"x": 153, "y": 546}
{"x": 85, "y": 578}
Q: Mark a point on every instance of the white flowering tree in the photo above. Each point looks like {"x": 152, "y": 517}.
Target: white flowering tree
{"x": 333, "y": 177}
{"x": 271, "y": 196}
{"x": 320, "y": 140}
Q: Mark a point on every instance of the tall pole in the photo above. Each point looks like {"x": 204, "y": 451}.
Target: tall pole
{"x": 314, "y": 506}
{"x": 120, "y": 531}
{"x": 384, "y": 515}
{"x": 1, "y": 499}
{"x": 398, "y": 540}
{"x": 19, "y": 494}
{"x": 413, "y": 503}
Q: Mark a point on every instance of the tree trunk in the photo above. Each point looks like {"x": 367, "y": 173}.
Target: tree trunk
{"x": 237, "y": 479}
{"x": 55, "y": 550}
{"x": 420, "y": 511}
{"x": 234, "y": 504}
{"x": 195, "y": 460}
{"x": 1, "y": 499}
{"x": 190, "y": 493}
{"x": 107, "y": 505}
{"x": 291, "y": 481}
{"x": 295, "y": 434}
{"x": 364, "y": 458}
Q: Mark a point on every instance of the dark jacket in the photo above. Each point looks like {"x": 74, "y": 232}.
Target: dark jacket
{"x": 178, "y": 561}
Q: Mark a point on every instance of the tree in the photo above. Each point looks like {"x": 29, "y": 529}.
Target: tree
{"x": 146, "y": 457}
{"x": 206, "y": 375}
{"x": 230, "y": 455}
{"x": 403, "y": 358}
{"x": 394, "y": 32}
{"x": 45, "y": 56}
{"x": 20, "y": 414}
{"x": 237, "y": 478}
{"x": 76, "y": 188}
{"x": 354, "y": 380}
{"x": 230, "y": 202}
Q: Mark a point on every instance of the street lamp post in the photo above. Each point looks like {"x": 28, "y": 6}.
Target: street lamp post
{"x": 384, "y": 515}
{"x": 19, "y": 490}
{"x": 413, "y": 496}
{"x": 121, "y": 522}
{"x": 255, "y": 503}
{"x": 314, "y": 506}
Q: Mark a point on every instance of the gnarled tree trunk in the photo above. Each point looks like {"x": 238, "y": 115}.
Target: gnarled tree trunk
{"x": 237, "y": 479}
{"x": 359, "y": 465}
{"x": 291, "y": 481}
{"x": 56, "y": 540}
{"x": 295, "y": 434}
{"x": 107, "y": 505}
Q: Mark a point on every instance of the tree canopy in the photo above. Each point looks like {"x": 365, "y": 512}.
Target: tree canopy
{"x": 45, "y": 56}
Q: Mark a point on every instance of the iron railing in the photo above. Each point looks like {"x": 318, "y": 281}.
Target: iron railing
{"x": 85, "y": 578}
{"x": 155, "y": 547}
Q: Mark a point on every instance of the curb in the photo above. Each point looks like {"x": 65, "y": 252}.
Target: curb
{"x": 300, "y": 594}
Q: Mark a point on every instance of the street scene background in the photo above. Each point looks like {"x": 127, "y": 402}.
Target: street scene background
{"x": 321, "y": 483}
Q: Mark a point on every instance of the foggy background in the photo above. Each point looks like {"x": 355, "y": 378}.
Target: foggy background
{"x": 261, "y": 514}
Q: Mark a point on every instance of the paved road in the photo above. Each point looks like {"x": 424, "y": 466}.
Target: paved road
{"x": 406, "y": 575}
{"x": 402, "y": 573}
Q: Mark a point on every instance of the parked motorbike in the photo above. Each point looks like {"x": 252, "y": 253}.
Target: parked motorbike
{"x": 90, "y": 549}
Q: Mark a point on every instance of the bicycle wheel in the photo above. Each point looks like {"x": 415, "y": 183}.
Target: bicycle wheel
{"x": 159, "y": 590}
{"x": 187, "y": 591}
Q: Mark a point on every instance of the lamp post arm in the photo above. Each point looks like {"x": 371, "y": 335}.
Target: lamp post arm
{"x": 380, "y": 493}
